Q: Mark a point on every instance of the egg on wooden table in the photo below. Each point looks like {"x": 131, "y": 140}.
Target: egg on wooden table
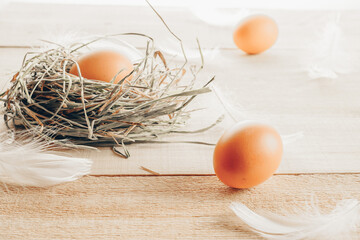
{"x": 246, "y": 156}
{"x": 255, "y": 34}
{"x": 103, "y": 65}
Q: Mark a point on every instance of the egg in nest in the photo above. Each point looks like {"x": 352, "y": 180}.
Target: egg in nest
{"x": 104, "y": 65}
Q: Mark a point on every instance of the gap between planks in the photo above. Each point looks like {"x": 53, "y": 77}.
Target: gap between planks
{"x": 19, "y": 46}
{"x": 209, "y": 175}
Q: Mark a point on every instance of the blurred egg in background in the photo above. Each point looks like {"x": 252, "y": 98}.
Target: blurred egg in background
{"x": 256, "y": 34}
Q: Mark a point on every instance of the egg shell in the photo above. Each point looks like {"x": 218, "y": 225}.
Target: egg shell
{"x": 255, "y": 34}
{"x": 103, "y": 65}
{"x": 246, "y": 156}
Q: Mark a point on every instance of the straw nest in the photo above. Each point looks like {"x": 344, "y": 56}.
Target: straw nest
{"x": 79, "y": 111}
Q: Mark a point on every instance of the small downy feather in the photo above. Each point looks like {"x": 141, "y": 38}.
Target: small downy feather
{"x": 220, "y": 17}
{"x": 339, "y": 224}
{"x": 230, "y": 109}
{"x": 28, "y": 162}
{"x": 329, "y": 57}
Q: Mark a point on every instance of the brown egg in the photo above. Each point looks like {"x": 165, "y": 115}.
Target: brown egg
{"x": 256, "y": 34}
{"x": 103, "y": 66}
{"x": 246, "y": 156}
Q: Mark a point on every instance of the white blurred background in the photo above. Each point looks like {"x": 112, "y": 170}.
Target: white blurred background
{"x": 264, "y": 4}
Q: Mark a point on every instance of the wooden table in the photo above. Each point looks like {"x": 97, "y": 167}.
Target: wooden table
{"x": 186, "y": 201}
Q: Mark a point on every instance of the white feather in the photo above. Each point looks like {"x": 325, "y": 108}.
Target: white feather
{"x": 341, "y": 223}
{"x": 329, "y": 55}
{"x": 235, "y": 115}
{"x": 215, "y": 16}
{"x": 27, "y": 162}
{"x": 69, "y": 38}
{"x": 172, "y": 48}
{"x": 287, "y": 139}
{"x": 230, "y": 109}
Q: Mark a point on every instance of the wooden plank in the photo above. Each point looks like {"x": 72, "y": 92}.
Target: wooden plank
{"x": 280, "y": 94}
{"x": 24, "y": 24}
{"x": 159, "y": 207}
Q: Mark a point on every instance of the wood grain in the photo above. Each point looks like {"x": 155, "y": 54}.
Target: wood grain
{"x": 158, "y": 207}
